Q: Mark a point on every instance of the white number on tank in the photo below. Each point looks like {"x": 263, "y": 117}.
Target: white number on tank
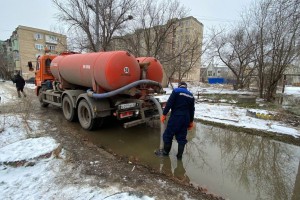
{"x": 126, "y": 70}
{"x": 86, "y": 66}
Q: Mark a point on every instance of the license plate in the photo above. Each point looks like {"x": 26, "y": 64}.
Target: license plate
{"x": 127, "y": 105}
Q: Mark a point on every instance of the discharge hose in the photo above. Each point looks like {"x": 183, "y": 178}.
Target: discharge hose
{"x": 162, "y": 125}
{"x": 131, "y": 85}
{"x": 90, "y": 93}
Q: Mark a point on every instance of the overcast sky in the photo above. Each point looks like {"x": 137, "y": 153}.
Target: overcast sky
{"x": 41, "y": 13}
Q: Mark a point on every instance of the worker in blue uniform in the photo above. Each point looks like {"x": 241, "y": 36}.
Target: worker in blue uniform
{"x": 182, "y": 105}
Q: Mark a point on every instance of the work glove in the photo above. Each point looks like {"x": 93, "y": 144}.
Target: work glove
{"x": 163, "y": 118}
{"x": 191, "y": 125}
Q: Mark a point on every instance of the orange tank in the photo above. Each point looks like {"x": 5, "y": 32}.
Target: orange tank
{"x": 155, "y": 70}
{"x": 103, "y": 71}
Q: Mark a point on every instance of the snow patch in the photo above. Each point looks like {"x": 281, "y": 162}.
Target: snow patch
{"x": 27, "y": 149}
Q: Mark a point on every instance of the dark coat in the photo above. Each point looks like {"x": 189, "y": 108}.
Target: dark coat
{"x": 182, "y": 105}
{"x": 19, "y": 81}
{"x": 181, "y": 102}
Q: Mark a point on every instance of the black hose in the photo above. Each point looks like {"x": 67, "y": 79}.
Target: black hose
{"x": 122, "y": 89}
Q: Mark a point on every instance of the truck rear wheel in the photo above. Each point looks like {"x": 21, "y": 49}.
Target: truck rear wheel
{"x": 68, "y": 110}
{"x": 42, "y": 103}
{"x": 85, "y": 116}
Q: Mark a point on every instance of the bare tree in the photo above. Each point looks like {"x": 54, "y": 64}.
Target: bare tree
{"x": 5, "y": 64}
{"x": 275, "y": 29}
{"x": 94, "y": 22}
{"x": 182, "y": 57}
{"x": 235, "y": 49}
{"x": 156, "y": 33}
{"x": 155, "y": 22}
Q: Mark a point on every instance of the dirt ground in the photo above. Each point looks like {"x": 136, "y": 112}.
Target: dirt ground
{"x": 111, "y": 168}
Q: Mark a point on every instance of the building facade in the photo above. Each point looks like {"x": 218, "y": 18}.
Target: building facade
{"x": 6, "y": 60}
{"x": 181, "y": 47}
{"x": 188, "y": 38}
{"x": 213, "y": 71}
{"x": 28, "y": 43}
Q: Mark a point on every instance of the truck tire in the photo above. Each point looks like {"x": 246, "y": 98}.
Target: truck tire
{"x": 68, "y": 110}
{"x": 42, "y": 103}
{"x": 85, "y": 116}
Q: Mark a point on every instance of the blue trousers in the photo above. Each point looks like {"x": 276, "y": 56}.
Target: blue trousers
{"x": 177, "y": 125}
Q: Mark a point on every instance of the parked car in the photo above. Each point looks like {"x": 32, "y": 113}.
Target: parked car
{"x": 30, "y": 80}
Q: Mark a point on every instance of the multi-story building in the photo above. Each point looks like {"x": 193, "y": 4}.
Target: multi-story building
{"x": 188, "y": 37}
{"x": 28, "y": 43}
{"x": 6, "y": 59}
{"x": 182, "y": 46}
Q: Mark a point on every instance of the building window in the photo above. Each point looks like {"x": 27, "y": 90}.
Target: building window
{"x": 39, "y": 46}
{"x": 16, "y": 55}
{"x": 38, "y": 36}
{"x": 209, "y": 73}
{"x": 187, "y": 23}
{"x": 51, "y": 39}
{"x": 51, "y": 47}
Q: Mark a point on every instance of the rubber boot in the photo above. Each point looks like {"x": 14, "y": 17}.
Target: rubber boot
{"x": 167, "y": 148}
{"x": 165, "y": 151}
{"x": 180, "y": 151}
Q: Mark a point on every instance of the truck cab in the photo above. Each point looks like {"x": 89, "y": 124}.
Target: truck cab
{"x": 42, "y": 71}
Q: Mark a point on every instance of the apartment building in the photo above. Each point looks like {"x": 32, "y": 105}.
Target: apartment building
{"x": 6, "y": 59}
{"x": 184, "y": 38}
{"x": 28, "y": 43}
{"x": 187, "y": 37}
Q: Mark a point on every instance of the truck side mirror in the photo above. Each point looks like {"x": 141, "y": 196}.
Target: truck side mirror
{"x": 30, "y": 66}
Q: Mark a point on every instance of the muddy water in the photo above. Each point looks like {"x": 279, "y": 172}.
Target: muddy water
{"x": 228, "y": 164}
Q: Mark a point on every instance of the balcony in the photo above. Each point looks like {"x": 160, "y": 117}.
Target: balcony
{"x": 51, "y": 39}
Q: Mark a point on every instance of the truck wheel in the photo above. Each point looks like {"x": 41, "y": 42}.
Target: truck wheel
{"x": 42, "y": 103}
{"x": 85, "y": 116}
{"x": 68, "y": 110}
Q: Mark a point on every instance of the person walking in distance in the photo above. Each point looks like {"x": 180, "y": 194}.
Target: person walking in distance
{"x": 182, "y": 105}
{"x": 20, "y": 83}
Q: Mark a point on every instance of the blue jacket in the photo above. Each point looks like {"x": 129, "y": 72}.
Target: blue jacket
{"x": 181, "y": 102}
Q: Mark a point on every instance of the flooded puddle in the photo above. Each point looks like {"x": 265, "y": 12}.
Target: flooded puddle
{"x": 228, "y": 164}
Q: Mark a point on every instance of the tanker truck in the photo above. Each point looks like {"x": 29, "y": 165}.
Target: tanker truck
{"x": 92, "y": 87}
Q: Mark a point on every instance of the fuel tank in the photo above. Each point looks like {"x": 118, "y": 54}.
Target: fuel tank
{"x": 155, "y": 70}
{"x": 105, "y": 70}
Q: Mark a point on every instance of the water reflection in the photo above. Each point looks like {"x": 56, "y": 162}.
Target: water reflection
{"x": 229, "y": 164}
{"x": 241, "y": 166}
{"x": 296, "y": 193}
